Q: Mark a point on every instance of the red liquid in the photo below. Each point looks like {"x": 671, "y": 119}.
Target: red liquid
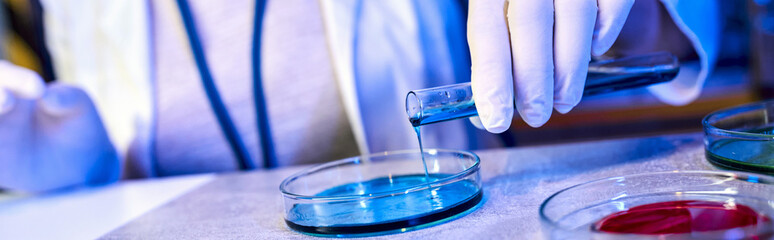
{"x": 680, "y": 217}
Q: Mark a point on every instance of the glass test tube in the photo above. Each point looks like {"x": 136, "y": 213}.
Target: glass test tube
{"x": 444, "y": 103}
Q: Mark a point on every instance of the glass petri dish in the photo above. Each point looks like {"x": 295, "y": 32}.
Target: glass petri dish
{"x": 577, "y": 212}
{"x": 382, "y": 193}
{"x": 741, "y": 138}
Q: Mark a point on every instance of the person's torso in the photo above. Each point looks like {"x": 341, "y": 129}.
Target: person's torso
{"x": 307, "y": 120}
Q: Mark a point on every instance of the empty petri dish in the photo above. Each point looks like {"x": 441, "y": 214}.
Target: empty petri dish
{"x": 663, "y": 205}
{"x": 742, "y": 137}
{"x": 382, "y": 193}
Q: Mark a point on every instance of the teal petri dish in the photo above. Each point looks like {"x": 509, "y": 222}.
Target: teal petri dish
{"x": 382, "y": 193}
{"x": 741, "y": 138}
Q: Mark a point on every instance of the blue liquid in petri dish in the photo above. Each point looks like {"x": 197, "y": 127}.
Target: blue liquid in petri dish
{"x": 394, "y": 213}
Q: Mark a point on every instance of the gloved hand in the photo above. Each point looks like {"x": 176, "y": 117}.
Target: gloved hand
{"x": 50, "y": 137}
{"x": 537, "y": 50}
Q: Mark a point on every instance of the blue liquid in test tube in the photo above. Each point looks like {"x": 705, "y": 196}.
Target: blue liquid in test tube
{"x": 444, "y": 103}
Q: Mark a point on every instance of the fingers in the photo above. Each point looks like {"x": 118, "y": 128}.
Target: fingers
{"x": 61, "y": 99}
{"x": 57, "y": 99}
{"x": 612, "y": 16}
{"x": 573, "y": 31}
{"x": 6, "y": 101}
{"x": 23, "y": 82}
{"x": 549, "y": 62}
{"x": 531, "y": 26}
{"x": 491, "y": 64}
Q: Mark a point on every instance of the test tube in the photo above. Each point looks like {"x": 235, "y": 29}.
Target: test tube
{"x": 444, "y": 103}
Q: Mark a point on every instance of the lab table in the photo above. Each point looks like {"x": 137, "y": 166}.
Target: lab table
{"x": 248, "y": 205}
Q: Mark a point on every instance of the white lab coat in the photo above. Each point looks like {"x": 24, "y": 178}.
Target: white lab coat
{"x": 103, "y": 47}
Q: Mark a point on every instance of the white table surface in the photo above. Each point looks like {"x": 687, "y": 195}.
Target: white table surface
{"x": 247, "y": 205}
{"x": 88, "y": 213}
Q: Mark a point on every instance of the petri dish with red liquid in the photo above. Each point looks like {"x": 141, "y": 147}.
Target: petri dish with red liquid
{"x": 664, "y": 205}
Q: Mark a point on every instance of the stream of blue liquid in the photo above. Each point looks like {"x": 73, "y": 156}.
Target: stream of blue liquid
{"x": 422, "y": 152}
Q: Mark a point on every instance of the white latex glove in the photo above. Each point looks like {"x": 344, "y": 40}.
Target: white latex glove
{"x": 50, "y": 137}
{"x": 539, "y": 51}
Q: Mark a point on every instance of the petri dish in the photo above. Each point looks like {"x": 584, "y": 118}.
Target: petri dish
{"x": 382, "y": 193}
{"x": 741, "y": 138}
{"x": 666, "y": 205}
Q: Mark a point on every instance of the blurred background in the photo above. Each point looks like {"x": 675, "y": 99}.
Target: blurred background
{"x": 22, "y": 40}
{"x": 743, "y": 74}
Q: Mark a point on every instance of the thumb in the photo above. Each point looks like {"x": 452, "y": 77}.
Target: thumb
{"x": 610, "y": 21}
{"x": 476, "y": 121}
